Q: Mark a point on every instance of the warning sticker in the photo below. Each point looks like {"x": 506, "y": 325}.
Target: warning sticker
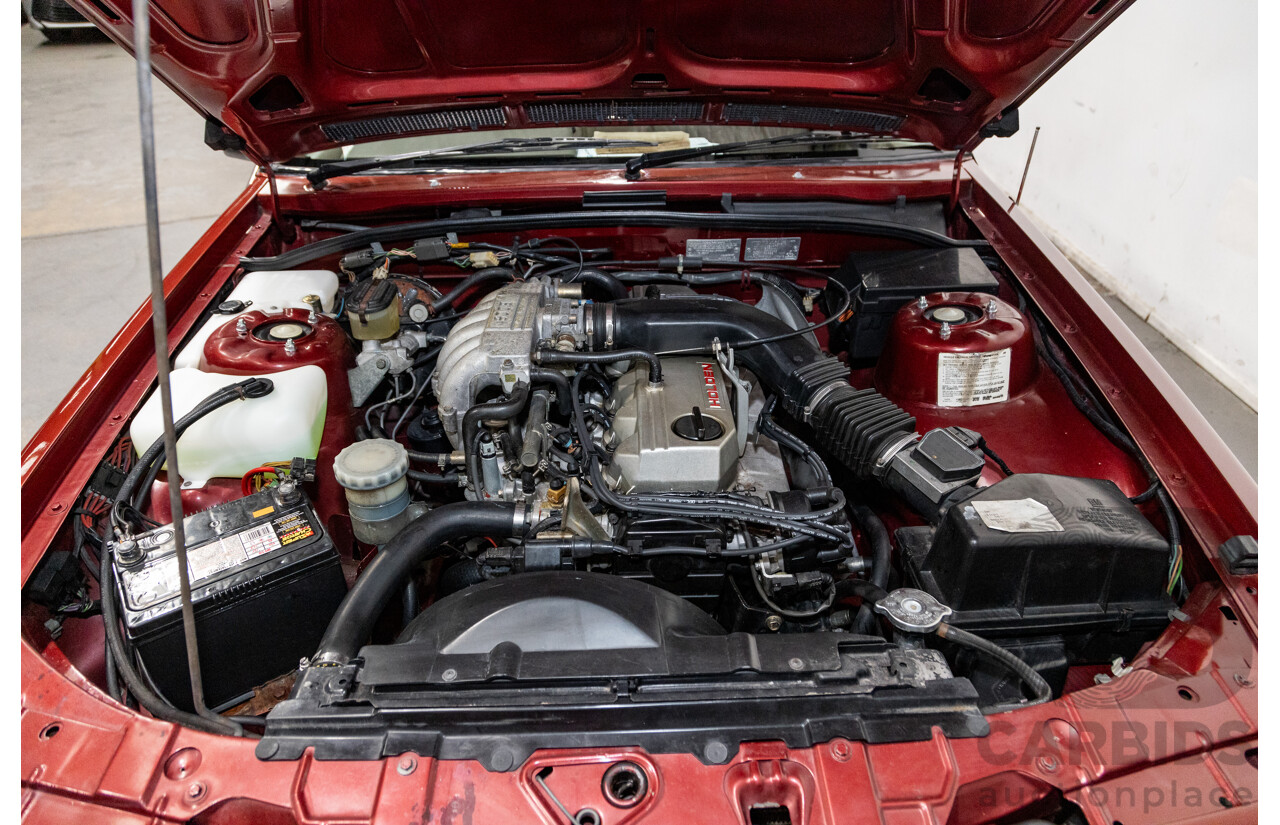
{"x": 772, "y": 249}
{"x": 293, "y": 527}
{"x": 1023, "y": 515}
{"x": 714, "y": 249}
{"x": 970, "y": 379}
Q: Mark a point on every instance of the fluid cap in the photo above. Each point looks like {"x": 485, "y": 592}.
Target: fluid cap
{"x": 912, "y": 611}
{"x": 371, "y": 464}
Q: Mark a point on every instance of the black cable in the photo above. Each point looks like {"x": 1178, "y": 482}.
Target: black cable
{"x": 156, "y": 706}
{"x": 249, "y": 388}
{"x": 768, "y": 426}
{"x": 450, "y": 477}
{"x": 1077, "y": 391}
{"x": 991, "y": 454}
{"x": 1039, "y": 687}
{"x": 553, "y": 357}
{"x": 293, "y": 258}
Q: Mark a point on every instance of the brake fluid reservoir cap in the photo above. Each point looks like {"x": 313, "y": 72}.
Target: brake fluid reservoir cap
{"x": 371, "y": 464}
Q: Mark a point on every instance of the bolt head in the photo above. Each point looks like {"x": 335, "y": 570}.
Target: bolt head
{"x": 796, "y": 664}
{"x": 449, "y": 675}
{"x": 773, "y": 623}
{"x": 196, "y": 790}
{"x": 407, "y": 764}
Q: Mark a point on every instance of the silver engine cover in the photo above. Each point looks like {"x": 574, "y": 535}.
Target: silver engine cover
{"x": 493, "y": 345}
{"x": 651, "y": 456}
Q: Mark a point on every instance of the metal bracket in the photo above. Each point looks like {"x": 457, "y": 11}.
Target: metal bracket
{"x": 365, "y": 378}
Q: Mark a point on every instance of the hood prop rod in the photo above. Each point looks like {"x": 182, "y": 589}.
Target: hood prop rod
{"x": 160, "y": 329}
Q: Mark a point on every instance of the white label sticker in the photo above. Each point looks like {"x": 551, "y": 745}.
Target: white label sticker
{"x": 1023, "y": 515}
{"x": 970, "y": 379}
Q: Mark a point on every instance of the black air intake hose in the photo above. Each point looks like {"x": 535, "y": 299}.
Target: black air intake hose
{"x": 856, "y": 426}
{"x": 422, "y": 539}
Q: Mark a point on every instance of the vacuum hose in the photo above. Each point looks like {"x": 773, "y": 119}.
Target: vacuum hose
{"x": 422, "y": 539}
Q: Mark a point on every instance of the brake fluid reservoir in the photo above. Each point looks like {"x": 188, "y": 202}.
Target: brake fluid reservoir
{"x": 267, "y": 292}
{"x": 956, "y": 349}
{"x": 373, "y": 474}
{"x": 286, "y": 423}
{"x": 373, "y": 308}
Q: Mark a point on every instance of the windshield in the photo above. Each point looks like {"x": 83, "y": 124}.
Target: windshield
{"x": 663, "y": 138}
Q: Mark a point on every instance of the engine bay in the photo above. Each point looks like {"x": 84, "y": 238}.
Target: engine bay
{"x": 463, "y": 495}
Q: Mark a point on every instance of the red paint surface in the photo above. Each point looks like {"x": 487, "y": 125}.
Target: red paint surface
{"x": 327, "y": 347}
{"x": 108, "y": 763}
{"x": 907, "y": 370}
{"x": 352, "y": 62}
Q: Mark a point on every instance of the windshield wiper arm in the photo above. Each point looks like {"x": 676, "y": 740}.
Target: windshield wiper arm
{"x": 337, "y": 168}
{"x": 649, "y": 161}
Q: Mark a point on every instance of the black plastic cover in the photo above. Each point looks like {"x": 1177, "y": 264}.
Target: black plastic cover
{"x": 1094, "y": 563}
{"x": 371, "y": 296}
{"x": 574, "y": 660}
{"x": 882, "y": 282}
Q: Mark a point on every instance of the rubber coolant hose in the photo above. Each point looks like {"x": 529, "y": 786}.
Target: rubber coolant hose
{"x": 1043, "y": 693}
{"x": 873, "y": 528}
{"x": 481, "y": 276}
{"x": 422, "y": 539}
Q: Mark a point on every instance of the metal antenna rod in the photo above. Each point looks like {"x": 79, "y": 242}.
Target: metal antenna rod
{"x": 160, "y": 329}
{"x": 1025, "y": 169}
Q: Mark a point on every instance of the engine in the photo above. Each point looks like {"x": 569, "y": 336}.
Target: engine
{"x": 584, "y": 460}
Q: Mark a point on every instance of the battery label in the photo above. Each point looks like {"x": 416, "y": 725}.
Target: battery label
{"x": 234, "y": 549}
{"x": 971, "y": 379}
{"x": 292, "y": 527}
{"x": 158, "y": 582}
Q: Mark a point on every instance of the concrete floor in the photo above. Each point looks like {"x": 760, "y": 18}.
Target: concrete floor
{"x": 82, "y": 224}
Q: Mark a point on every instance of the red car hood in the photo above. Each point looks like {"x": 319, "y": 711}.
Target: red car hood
{"x": 290, "y": 77}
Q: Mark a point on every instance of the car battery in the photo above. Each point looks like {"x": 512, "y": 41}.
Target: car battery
{"x": 265, "y": 580}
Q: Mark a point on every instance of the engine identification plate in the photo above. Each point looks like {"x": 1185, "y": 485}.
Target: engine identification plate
{"x": 714, "y": 249}
{"x": 772, "y": 249}
{"x": 971, "y": 379}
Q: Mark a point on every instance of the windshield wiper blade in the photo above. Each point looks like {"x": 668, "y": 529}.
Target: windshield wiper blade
{"x": 337, "y": 168}
{"x": 649, "y": 161}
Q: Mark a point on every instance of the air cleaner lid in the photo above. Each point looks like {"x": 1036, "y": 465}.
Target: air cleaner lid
{"x": 371, "y": 464}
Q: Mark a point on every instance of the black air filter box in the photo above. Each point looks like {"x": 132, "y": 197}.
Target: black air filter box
{"x": 882, "y": 282}
{"x": 1037, "y": 554}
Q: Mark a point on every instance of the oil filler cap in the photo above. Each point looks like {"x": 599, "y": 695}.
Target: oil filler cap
{"x": 697, "y": 427}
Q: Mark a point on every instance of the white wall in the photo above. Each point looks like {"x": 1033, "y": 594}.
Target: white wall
{"x": 1145, "y": 173}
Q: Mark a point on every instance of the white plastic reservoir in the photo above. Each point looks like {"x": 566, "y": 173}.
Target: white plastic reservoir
{"x": 268, "y": 292}
{"x": 230, "y": 441}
